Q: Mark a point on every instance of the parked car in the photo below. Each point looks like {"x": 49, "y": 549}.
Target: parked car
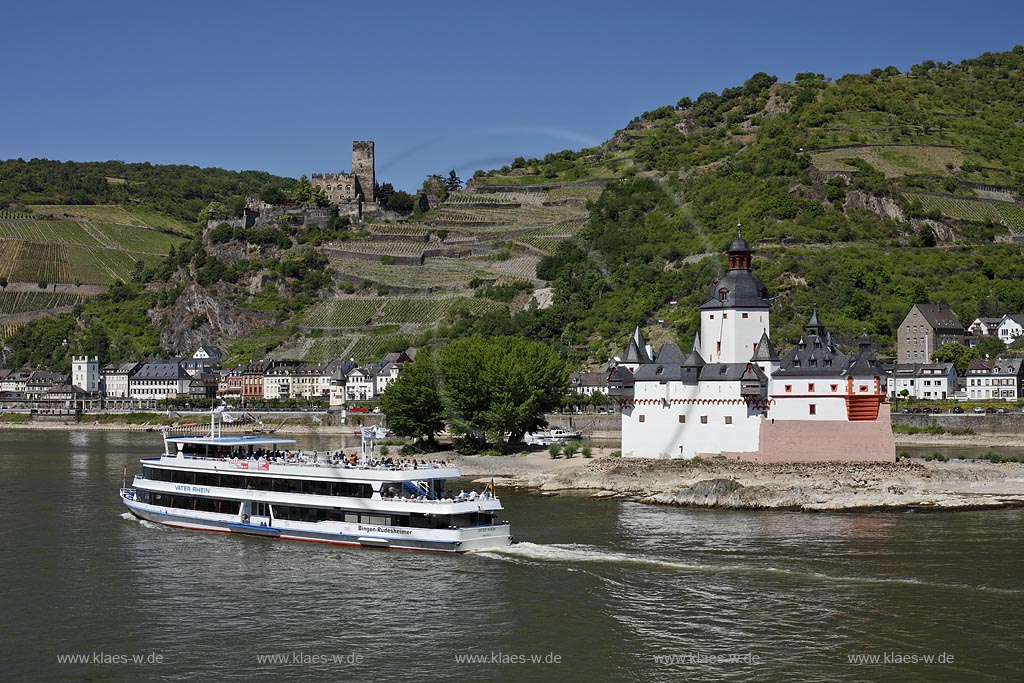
{"x": 1001, "y": 410}
{"x": 990, "y": 410}
{"x": 957, "y": 409}
{"x": 979, "y": 409}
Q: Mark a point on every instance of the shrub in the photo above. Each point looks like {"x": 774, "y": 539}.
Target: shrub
{"x": 554, "y": 450}
{"x": 587, "y": 451}
{"x": 615, "y": 454}
{"x": 571, "y": 448}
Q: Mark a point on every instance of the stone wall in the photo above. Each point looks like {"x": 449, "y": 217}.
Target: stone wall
{"x": 979, "y": 423}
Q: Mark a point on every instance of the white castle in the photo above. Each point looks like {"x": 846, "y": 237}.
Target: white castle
{"x": 732, "y": 395}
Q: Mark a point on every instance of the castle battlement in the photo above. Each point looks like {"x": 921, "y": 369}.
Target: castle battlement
{"x": 345, "y": 188}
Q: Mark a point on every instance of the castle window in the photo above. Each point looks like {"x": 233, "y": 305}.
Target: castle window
{"x": 642, "y": 418}
{"x": 703, "y": 419}
{"x": 728, "y": 419}
{"x": 745, "y": 316}
{"x": 813, "y": 409}
{"x": 864, "y": 388}
{"x": 723, "y": 294}
{"x": 348, "y": 188}
{"x": 834, "y": 387}
{"x": 725, "y": 316}
{"x": 682, "y": 419}
{"x": 789, "y": 388}
{"x": 810, "y": 387}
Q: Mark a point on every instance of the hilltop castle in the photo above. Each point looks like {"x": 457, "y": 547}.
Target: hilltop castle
{"x": 733, "y": 395}
{"x": 346, "y": 188}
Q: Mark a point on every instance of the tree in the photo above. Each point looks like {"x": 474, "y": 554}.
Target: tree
{"x": 989, "y": 347}
{"x": 400, "y": 201}
{"x": 453, "y": 182}
{"x": 306, "y": 194}
{"x": 384, "y": 192}
{"x": 272, "y": 194}
{"x": 413, "y": 403}
{"x": 499, "y": 385}
{"x": 957, "y": 354}
{"x": 213, "y": 211}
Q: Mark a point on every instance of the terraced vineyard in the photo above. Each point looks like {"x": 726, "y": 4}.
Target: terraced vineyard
{"x": 12, "y": 303}
{"x": 403, "y": 248}
{"x": 435, "y": 273}
{"x": 425, "y": 310}
{"x": 121, "y": 215}
{"x": 974, "y": 211}
{"x": 7, "y": 330}
{"x": 354, "y": 312}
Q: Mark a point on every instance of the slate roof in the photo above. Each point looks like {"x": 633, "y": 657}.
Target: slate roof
{"x": 636, "y": 349}
{"x": 742, "y": 289}
{"x": 160, "y": 369}
{"x": 941, "y": 317}
{"x": 765, "y": 351}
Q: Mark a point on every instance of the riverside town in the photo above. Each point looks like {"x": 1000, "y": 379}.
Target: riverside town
{"x": 704, "y": 361}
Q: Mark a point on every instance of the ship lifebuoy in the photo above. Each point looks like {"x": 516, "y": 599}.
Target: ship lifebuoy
{"x": 245, "y": 518}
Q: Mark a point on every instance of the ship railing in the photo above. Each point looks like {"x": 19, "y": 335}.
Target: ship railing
{"x": 128, "y": 494}
{"x": 323, "y": 463}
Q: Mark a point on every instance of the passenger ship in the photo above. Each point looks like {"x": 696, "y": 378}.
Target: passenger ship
{"x": 247, "y": 485}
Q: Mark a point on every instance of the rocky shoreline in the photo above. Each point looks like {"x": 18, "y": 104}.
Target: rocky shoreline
{"x": 721, "y": 483}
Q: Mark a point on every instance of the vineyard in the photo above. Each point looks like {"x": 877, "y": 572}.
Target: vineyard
{"x": 404, "y": 249}
{"x": 85, "y": 233}
{"x": 398, "y": 231}
{"x": 12, "y": 303}
{"x": 7, "y": 330}
{"x": 973, "y": 211}
{"x": 342, "y": 313}
{"x": 8, "y": 215}
{"x": 436, "y": 273}
{"x": 121, "y": 215}
{"x": 359, "y": 312}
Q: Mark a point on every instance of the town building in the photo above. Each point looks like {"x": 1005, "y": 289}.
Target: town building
{"x": 1010, "y": 327}
{"x": 589, "y": 383}
{"x": 159, "y": 379}
{"x": 1002, "y": 378}
{"x": 924, "y": 381}
{"x": 984, "y": 327}
{"x": 926, "y": 328}
{"x": 733, "y": 395}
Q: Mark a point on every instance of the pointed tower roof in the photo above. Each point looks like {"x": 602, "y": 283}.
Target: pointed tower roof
{"x": 636, "y": 349}
{"x": 814, "y": 325}
{"x": 693, "y": 358}
{"x": 765, "y": 351}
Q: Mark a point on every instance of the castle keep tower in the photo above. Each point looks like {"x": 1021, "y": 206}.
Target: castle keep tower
{"x": 363, "y": 169}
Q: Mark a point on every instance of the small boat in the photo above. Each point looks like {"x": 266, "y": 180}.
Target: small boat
{"x": 550, "y": 436}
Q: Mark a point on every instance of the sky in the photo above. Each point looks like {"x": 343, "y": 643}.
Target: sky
{"x": 285, "y": 87}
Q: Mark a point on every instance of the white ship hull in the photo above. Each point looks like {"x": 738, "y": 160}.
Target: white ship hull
{"x": 337, "y": 533}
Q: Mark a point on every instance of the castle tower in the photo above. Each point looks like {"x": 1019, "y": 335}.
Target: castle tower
{"x": 363, "y": 169}
{"x": 734, "y": 318}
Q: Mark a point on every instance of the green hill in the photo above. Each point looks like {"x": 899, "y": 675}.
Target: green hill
{"x": 862, "y": 195}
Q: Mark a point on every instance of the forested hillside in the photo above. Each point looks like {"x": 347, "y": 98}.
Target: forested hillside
{"x": 863, "y": 195}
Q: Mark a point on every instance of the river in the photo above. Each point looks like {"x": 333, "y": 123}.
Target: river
{"x": 593, "y": 590}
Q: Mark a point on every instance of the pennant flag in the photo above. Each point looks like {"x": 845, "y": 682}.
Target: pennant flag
{"x": 227, "y": 417}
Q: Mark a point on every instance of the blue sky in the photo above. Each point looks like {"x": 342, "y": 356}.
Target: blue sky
{"x": 285, "y": 87}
